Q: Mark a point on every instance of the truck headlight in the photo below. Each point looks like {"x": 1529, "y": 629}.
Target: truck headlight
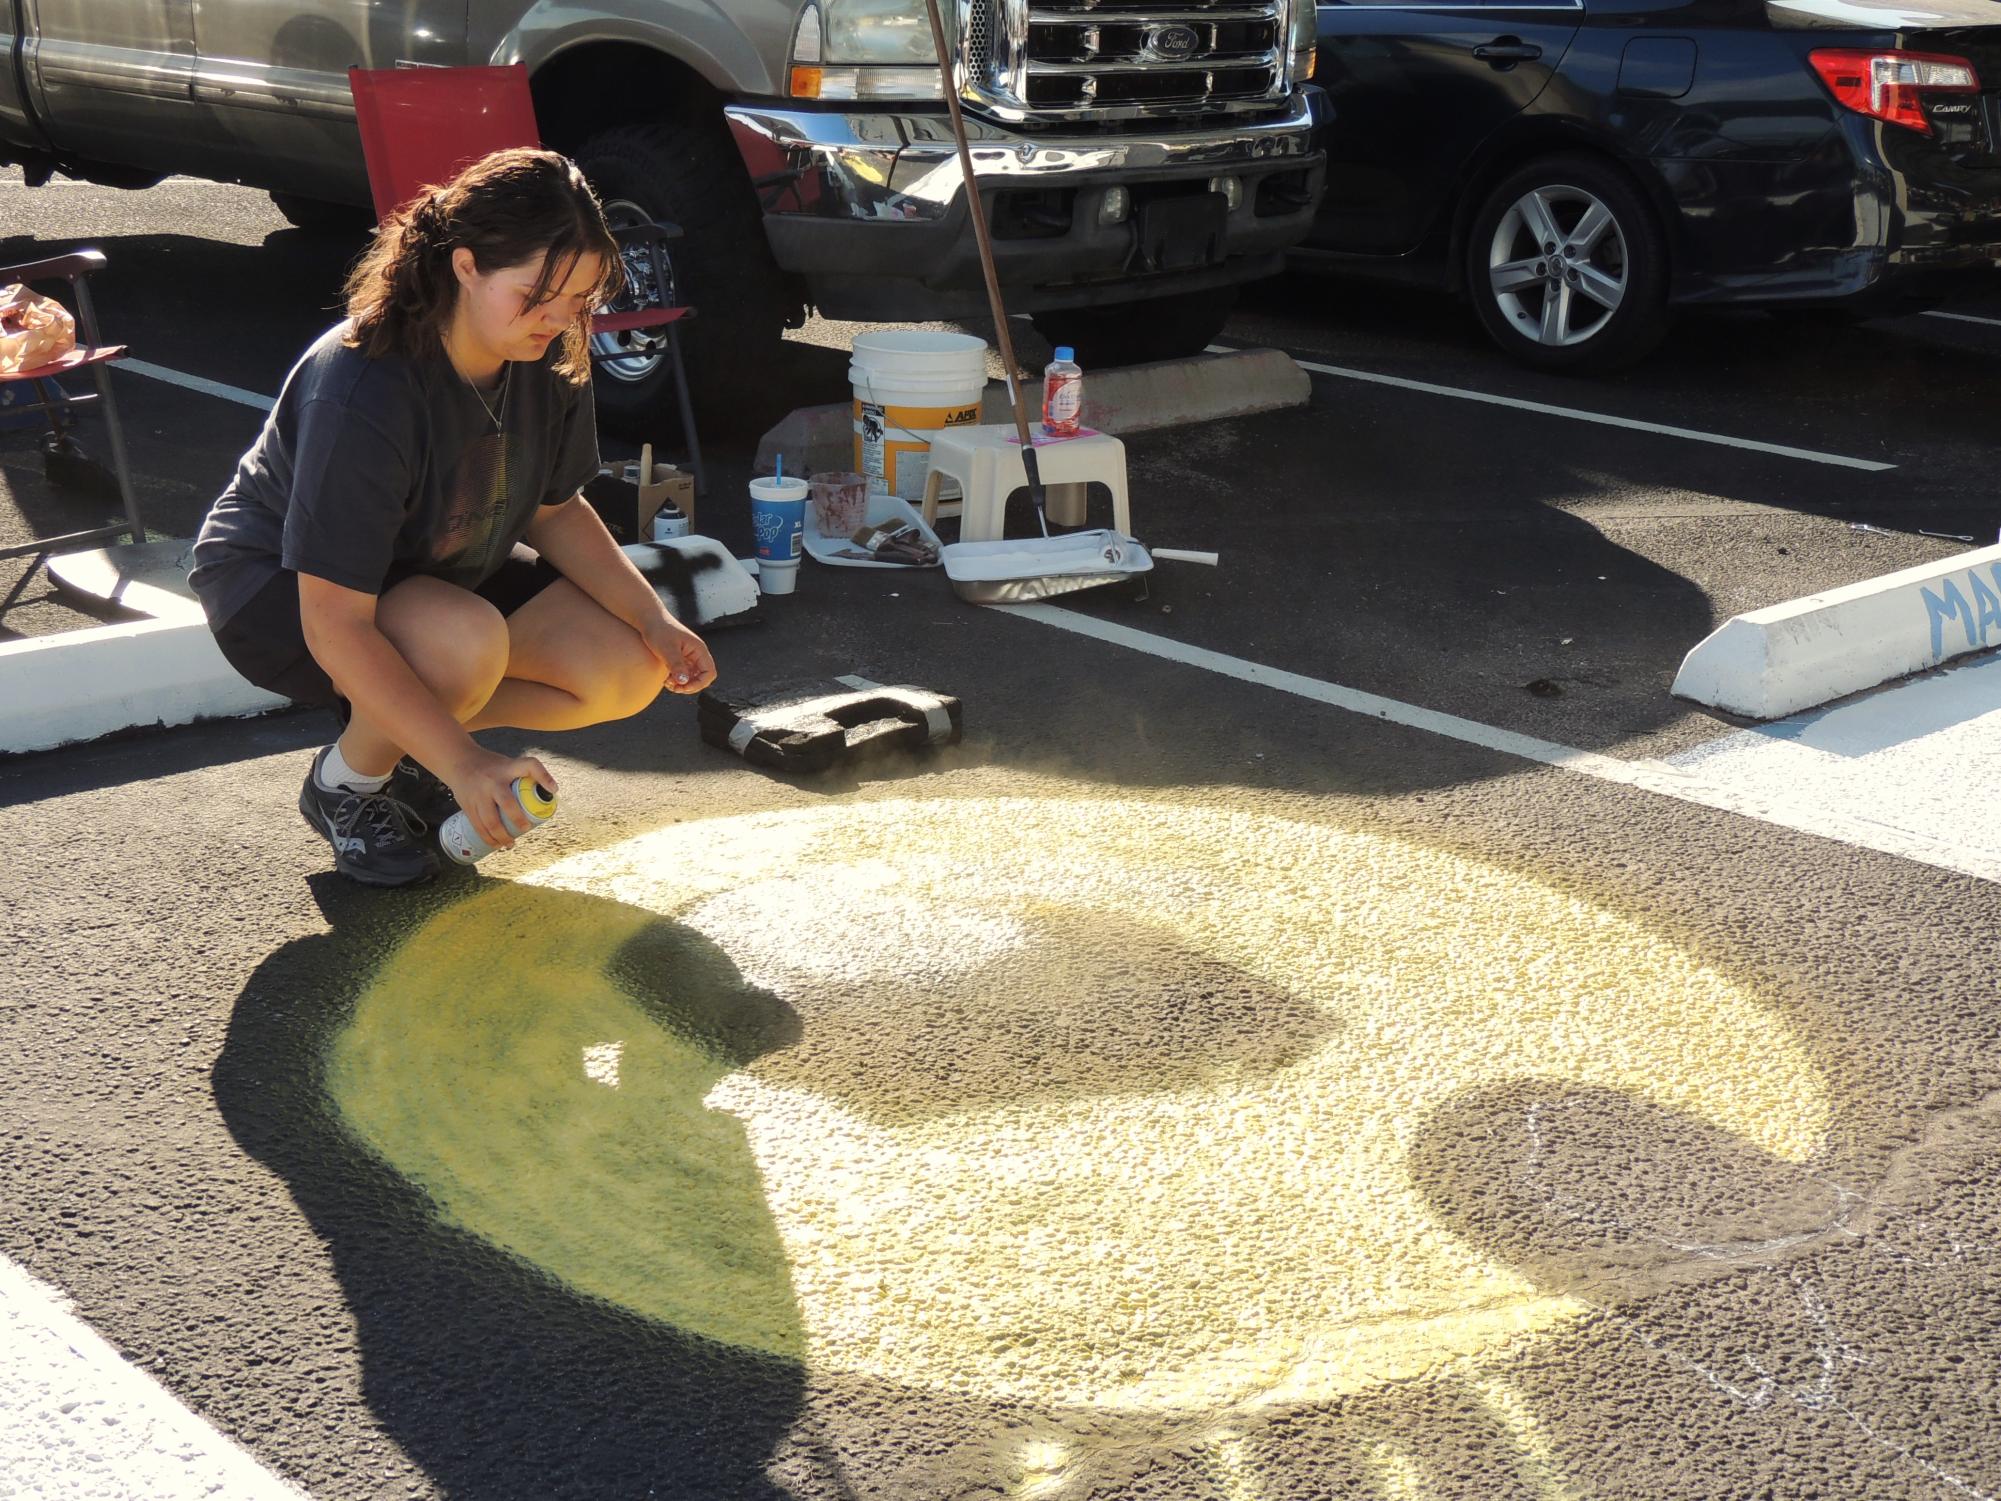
{"x": 1302, "y": 32}
{"x": 865, "y": 49}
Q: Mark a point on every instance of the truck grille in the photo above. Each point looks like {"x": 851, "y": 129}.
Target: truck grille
{"x": 979, "y": 37}
{"x": 1064, "y": 60}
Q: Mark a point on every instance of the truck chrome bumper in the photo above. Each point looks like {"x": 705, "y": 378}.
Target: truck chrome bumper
{"x": 857, "y": 165}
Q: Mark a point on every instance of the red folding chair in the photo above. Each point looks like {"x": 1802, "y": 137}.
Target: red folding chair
{"x": 421, "y": 126}
{"x": 74, "y": 268}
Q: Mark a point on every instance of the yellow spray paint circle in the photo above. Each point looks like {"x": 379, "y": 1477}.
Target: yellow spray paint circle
{"x": 1071, "y": 1100}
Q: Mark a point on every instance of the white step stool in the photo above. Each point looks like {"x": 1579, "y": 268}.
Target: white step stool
{"x": 986, "y": 462}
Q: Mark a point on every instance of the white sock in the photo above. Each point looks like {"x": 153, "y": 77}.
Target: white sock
{"x": 335, "y": 775}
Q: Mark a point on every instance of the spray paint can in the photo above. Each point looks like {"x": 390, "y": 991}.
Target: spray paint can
{"x": 462, "y": 842}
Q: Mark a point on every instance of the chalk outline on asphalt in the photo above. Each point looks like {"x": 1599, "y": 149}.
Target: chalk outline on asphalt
{"x": 1644, "y": 775}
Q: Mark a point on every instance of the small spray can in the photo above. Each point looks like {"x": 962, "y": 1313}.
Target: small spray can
{"x": 462, "y": 842}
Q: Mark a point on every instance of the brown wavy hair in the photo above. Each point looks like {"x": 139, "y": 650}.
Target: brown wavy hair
{"x": 506, "y": 209}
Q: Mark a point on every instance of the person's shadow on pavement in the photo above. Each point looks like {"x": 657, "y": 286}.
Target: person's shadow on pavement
{"x": 492, "y": 1101}
{"x": 497, "y": 1380}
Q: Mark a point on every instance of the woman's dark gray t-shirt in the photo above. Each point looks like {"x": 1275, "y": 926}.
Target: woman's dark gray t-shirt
{"x": 370, "y": 470}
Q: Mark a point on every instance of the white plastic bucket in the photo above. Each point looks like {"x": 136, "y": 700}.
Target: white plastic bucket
{"x": 908, "y": 385}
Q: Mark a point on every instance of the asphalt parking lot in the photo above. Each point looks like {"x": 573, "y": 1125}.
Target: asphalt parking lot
{"x": 1192, "y": 1085}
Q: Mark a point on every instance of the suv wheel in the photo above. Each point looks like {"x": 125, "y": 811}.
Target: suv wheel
{"x": 1567, "y": 268}
{"x": 1132, "y": 333}
{"x": 689, "y": 175}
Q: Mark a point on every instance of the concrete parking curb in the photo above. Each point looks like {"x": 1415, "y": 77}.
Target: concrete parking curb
{"x": 1777, "y": 661}
{"x": 1131, "y": 399}
{"x": 162, "y": 671}
{"x": 82, "y": 684}
{"x": 166, "y": 671}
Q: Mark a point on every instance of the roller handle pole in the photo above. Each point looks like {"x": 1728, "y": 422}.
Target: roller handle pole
{"x": 1180, "y": 555}
{"x": 984, "y": 240}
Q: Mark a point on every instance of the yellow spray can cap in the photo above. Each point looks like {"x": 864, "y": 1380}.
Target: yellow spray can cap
{"x": 538, "y": 802}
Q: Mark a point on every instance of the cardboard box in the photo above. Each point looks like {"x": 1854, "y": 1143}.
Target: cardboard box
{"x": 629, "y": 504}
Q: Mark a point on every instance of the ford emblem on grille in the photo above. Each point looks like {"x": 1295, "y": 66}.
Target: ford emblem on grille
{"x": 1172, "y": 43}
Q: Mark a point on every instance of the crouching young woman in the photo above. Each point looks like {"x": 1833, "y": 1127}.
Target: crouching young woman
{"x": 406, "y": 542}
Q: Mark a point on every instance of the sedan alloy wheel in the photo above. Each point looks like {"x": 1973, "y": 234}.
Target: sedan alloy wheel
{"x": 1558, "y": 265}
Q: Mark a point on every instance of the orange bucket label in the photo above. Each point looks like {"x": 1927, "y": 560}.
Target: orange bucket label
{"x": 889, "y": 448}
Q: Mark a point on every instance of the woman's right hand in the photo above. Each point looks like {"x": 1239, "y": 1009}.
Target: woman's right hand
{"x": 484, "y": 788}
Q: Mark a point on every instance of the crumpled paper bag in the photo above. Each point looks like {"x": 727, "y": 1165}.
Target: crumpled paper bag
{"x": 34, "y": 330}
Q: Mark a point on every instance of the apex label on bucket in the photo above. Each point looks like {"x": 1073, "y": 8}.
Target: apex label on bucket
{"x": 909, "y": 383}
{"x": 893, "y": 444}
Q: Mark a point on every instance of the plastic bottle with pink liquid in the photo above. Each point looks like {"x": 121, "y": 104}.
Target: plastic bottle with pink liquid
{"x": 1063, "y": 394}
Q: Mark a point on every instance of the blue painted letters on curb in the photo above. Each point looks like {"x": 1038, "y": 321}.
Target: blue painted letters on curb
{"x": 1990, "y": 605}
{"x": 1951, "y": 604}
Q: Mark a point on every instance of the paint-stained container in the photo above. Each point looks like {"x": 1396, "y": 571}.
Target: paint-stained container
{"x": 462, "y": 842}
{"x": 909, "y": 384}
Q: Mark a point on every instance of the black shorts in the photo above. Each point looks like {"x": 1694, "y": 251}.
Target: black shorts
{"x": 267, "y": 644}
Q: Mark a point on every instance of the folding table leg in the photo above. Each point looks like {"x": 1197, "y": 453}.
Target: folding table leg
{"x": 58, "y": 424}
{"x": 21, "y": 583}
{"x": 687, "y": 408}
{"x": 119, "y": 465}
{"x": 88, "y": 317}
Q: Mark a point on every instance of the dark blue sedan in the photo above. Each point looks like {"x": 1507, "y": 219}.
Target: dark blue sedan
{"x": 1580, "y": 170}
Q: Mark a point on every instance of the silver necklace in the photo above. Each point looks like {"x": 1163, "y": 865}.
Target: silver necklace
{"x": 498, "y": 419}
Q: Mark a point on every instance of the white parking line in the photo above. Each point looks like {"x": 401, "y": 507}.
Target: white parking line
{"x": 1963, "y": 318}
{"x": 198, "y": 383}
{"x": 78, "y": 1419}
{"x": 1784, "y": 808}
{"x": 1578, "y": 414}
{"x": 1648, "y": 776}
{"x": 1924, "y": 754}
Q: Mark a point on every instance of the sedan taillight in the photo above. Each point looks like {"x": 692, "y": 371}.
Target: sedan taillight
{"x": 1891, "y": 85}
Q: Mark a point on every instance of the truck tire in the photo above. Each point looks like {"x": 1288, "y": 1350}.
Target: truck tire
{"x": 689, "y": 174}
{"x": 1132, "y": 333}
{"x": 319, "y": 217}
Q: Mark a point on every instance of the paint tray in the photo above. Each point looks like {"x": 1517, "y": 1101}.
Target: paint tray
{"x": 1020, "y": 571}
{"x": 881, "y": 508}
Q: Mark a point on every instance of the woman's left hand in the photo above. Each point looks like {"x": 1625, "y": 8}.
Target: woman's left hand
{"x": 689, "y": 666}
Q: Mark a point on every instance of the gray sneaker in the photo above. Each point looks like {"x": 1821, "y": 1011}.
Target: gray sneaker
{"x": 376, "y": 840}
{"x": 422, "y": 793}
